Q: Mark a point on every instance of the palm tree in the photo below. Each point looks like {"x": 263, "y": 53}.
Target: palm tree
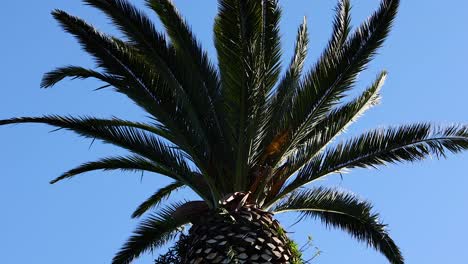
{"x": 244, "y": 137}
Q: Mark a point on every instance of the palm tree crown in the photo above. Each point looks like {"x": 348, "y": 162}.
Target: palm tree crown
{"x": 242, "y": 130}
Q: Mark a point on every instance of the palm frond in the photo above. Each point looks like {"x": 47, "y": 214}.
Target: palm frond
{"x": 268, "y": 140}
{"x": 137, "y": 27}
{"x": 156, "y": 199}
{"x": 141, "y": 82}
{"x": 194, "y": 78}
{"x": 238, "y": 29}
{"x": 289, "y": 84}
{"x": 200, "y": 79}
{"x": 192, "y": 75}
{"x": 285, "y": 130}
{"x": 142, "y": 34}
{"x": 185, "y": 42}
{"x": 279, "y": 138}
{"x": 345, "y": 211}
{"x": 152, "y": 233}
{"x": 148, "y": 87}
{"x": 341, "y": 26}
{"x": 75, "y": 72}
{"x": 271, "y": 44}
{"x": 148, "y": 41}
{"x": 280, "y": 99}
{"x": 104, "y": 129}
{"x": 341, "y": 30}
{"x": 130, "y": 138}
{"x": 129, "y": 163}
{"x": 382, "y": 146}
{"x": 337, "y": 69}
{"x": 268, "y": 69}
{"x": 115, "y": 57}
{"x": 334, "y": 124}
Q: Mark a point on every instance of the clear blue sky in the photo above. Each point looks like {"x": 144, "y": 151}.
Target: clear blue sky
{"x": 87, "y": 219}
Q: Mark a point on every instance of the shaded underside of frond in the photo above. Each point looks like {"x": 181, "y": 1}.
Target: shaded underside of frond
{"x": 345, "y": 211}
{"x": 152, "y": 233}
{"x": 135, "y": 137}
{"x": 130, "y": 163}
{"x": 157, "y": 198}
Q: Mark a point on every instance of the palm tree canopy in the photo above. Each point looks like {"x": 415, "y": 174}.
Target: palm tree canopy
{"x": 243, "y": 125}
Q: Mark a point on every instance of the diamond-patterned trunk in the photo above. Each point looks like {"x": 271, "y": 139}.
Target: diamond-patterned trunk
{"x": 246, "y": 235}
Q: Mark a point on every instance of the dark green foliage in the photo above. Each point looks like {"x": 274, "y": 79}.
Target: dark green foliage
{"x": 345, "y": 211}
{"x": 239, "y": 126}
{"x": 131, "y": 163}
{"x": 175, "y": 254}
{"x": 158, "y": 197}
{"x": 153, "y": 232}
{"x": 382, "y": 146}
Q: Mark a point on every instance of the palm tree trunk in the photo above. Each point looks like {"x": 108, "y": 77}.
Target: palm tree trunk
{"x": 246, "y": 235}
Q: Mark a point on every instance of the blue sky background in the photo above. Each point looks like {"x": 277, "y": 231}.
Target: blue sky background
{"x": 87, "y": 219}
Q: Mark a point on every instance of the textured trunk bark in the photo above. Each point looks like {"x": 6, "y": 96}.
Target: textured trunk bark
{"x": 246, "y": 235}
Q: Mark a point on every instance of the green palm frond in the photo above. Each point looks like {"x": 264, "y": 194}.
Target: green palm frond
{"x": 280, "y": 99}
{"x": 289, "y": 83}
{"x": 238, "y": 29}
{"x": 270, "y": 44}
{"x": 269, "y": 142}
{"x": 285, "y": 131}
{"x": 315, "y": 83}
{"x": 136, "y": 26}
{"x": 382, "y": 146}
{"x": 149, "y": 87}
{"x": 130, "y": 163}
{"x": 81, "y": 124}
{"x": 142, "y": 34}
{"x": 200, "y": 79}
{"x": 140, "y": 30}
{"x": 333, "y": 125}
{"x": 341, "y": 27}
{"x": 115, "y": 57}
{"x": 324, "y": 133}
{"x": 133, "y": 139}
{"x": 152, "y": 233}
{"x": 185, "y": 42}
{"x": 340, "y": 118}
{"x": 345, "y": 211}
{"x": 125, "y": 134}
{"x": 337, "y": 69}
{"x": 157, "y": 198}
{"x": 141, "y": 82}
{"x": 267, "y": 69}
{"x": 75, "y": 72}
